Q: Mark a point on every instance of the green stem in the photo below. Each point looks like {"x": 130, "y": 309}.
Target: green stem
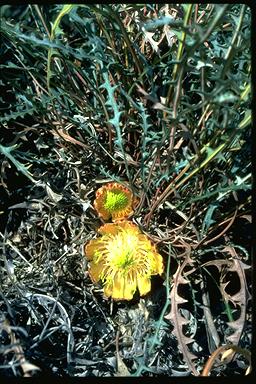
{"x": 65, "y": 9}
{"x": 180, "y": 51}
{"x": 127, "y": 40}
{"x": 231, "y": 49}
{"x": 154, "y": 341}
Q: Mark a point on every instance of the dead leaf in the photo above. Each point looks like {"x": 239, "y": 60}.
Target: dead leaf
{"x": 177, "y": 319}
{"x": 54, "y": 197}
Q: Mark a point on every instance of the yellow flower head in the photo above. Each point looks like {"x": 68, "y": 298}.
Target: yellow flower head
{"x": 114, "y": 201}
{"x": 123, "y": 259}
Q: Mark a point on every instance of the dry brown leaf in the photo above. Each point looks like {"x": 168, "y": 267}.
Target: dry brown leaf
{"x": 122, "y": 369}
{"x": 28, "y": 368}
{"x": 226, "y": 351}
{"x": 226, "y": 354}
{"x": 241, "y": 297}
{"x": 177, "y": 319}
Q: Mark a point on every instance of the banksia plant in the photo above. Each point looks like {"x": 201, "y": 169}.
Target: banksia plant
{"x": 123, "y": 259}
{"x": 114, "y": 201}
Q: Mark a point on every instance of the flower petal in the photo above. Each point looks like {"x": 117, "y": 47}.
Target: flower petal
{"x": 92, "y": 247}
{"x": 96, "y": 270}
{"x": 159, "y": 264}
{"x": 102, "y": 212}
{"x": 108, "y": 289}
{"x": 109, "y": 228}
{"x": 122, "y": 288}
{"x": 144, "y": 284}
{"x": 118, "y": 287}
{"x": 128, "y": 226}
{"x": 122, "y": 214}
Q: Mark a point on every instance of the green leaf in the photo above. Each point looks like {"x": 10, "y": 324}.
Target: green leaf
{"x": 185, "y": 7}
{"x": 227, "y": 97}
{"x": 247, "y": 120}
{"x": 208, "y": 220}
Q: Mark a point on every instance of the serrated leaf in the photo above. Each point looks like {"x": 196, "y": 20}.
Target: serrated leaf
{"x": 208, "y": 220}
{"x": 154, "y": 44}
{"x": 217, "y": 263}
{"x": 240, "y": 298}
{"x": 177, "y": 319}
{"x": 182, "y": 280}
{"x": 20, "y": 167}
{"x": 15, "y": 115}
{"x": 183, "y": 320}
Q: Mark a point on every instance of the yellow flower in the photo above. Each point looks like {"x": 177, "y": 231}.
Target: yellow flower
{"x": 114, "y": 201}
{"x": 123, "y": 259}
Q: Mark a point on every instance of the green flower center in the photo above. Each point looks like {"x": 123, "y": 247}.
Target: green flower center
{"x": 124, "y": 261}
{"x": 115, "y": 201}
{"x": 122, "y": 250}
